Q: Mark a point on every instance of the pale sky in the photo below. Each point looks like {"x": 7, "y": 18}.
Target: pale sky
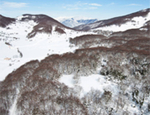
{"x": 100, "y": 9}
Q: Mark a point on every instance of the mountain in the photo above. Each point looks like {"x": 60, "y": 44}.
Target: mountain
{"x": 45, "y": 24}
{"x": 68, "y": 72}
{"x": 71, "y": 22}
{"x": 21, "y": 37}
{"x": 122, "y": 23}
{"x": 4, "y": 21}
{"x": 99, "y": 79}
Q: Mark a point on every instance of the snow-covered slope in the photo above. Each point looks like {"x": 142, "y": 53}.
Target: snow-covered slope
{"x": 32, "y": 37}
{"x": 51, "y": 69}
{"x": 73, "y": 22}
{"x": 131, "y": 21}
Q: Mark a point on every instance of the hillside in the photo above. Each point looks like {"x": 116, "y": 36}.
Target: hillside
{"x": 31, "y": 37}
{"x": 50, "y": 69}
{"x": 122, "y": 23}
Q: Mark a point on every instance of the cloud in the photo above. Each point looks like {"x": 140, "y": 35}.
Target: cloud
{"x": 72, "y": 6}
{"x": 95, "y": 4}
{"x": 134, "y": 5}
{"x": 81, "y": 5}
{"x": 93, "y": 7}
{"x": 112, "y": 3}
{"x": 14, "y": 4}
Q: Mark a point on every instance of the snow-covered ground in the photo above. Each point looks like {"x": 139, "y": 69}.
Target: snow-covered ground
{"x": 96, "y": 82}
{"x": 134, "y": 23}
{"x": 22, "y": 49}
{"x": 17, "y": 49}
{"x": 88, "y": 83}
{"x": 13, "y": 108}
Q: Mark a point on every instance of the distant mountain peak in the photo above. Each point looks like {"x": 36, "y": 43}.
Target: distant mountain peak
{"x": 72, "y": 22}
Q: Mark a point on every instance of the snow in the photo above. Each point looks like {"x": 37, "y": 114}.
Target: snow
{"x": 135, "y": 23}
{"x": 95, "y": 24}
{"x": 20, "y": 17}
{"x": 101, "y": 83}
{"x": 44, "y": 44}
{"x": 40, "y": 28}
{"x": 68, "y": 80}
{"x": 143, "y": 29}
{"x": 13, "y": 108}
{"x": 73, "y": 22}
{"x": 34, "y": 48}
{"x": 92, "y": 82}
{"x": 88, "y": 83}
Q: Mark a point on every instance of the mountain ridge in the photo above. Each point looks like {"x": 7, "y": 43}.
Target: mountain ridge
{"x": 41, "y": 18}
{"x": 72, "y": 22}
{"x": 4, "y": 21}
{"x": 113, "y": 21}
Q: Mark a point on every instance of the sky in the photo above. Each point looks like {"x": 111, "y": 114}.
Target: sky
{"x": 99, "y": 9}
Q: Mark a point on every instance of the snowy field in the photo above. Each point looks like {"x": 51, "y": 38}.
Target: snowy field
{"x": 22, "y": 49}
{"x": 88, "y": 83}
